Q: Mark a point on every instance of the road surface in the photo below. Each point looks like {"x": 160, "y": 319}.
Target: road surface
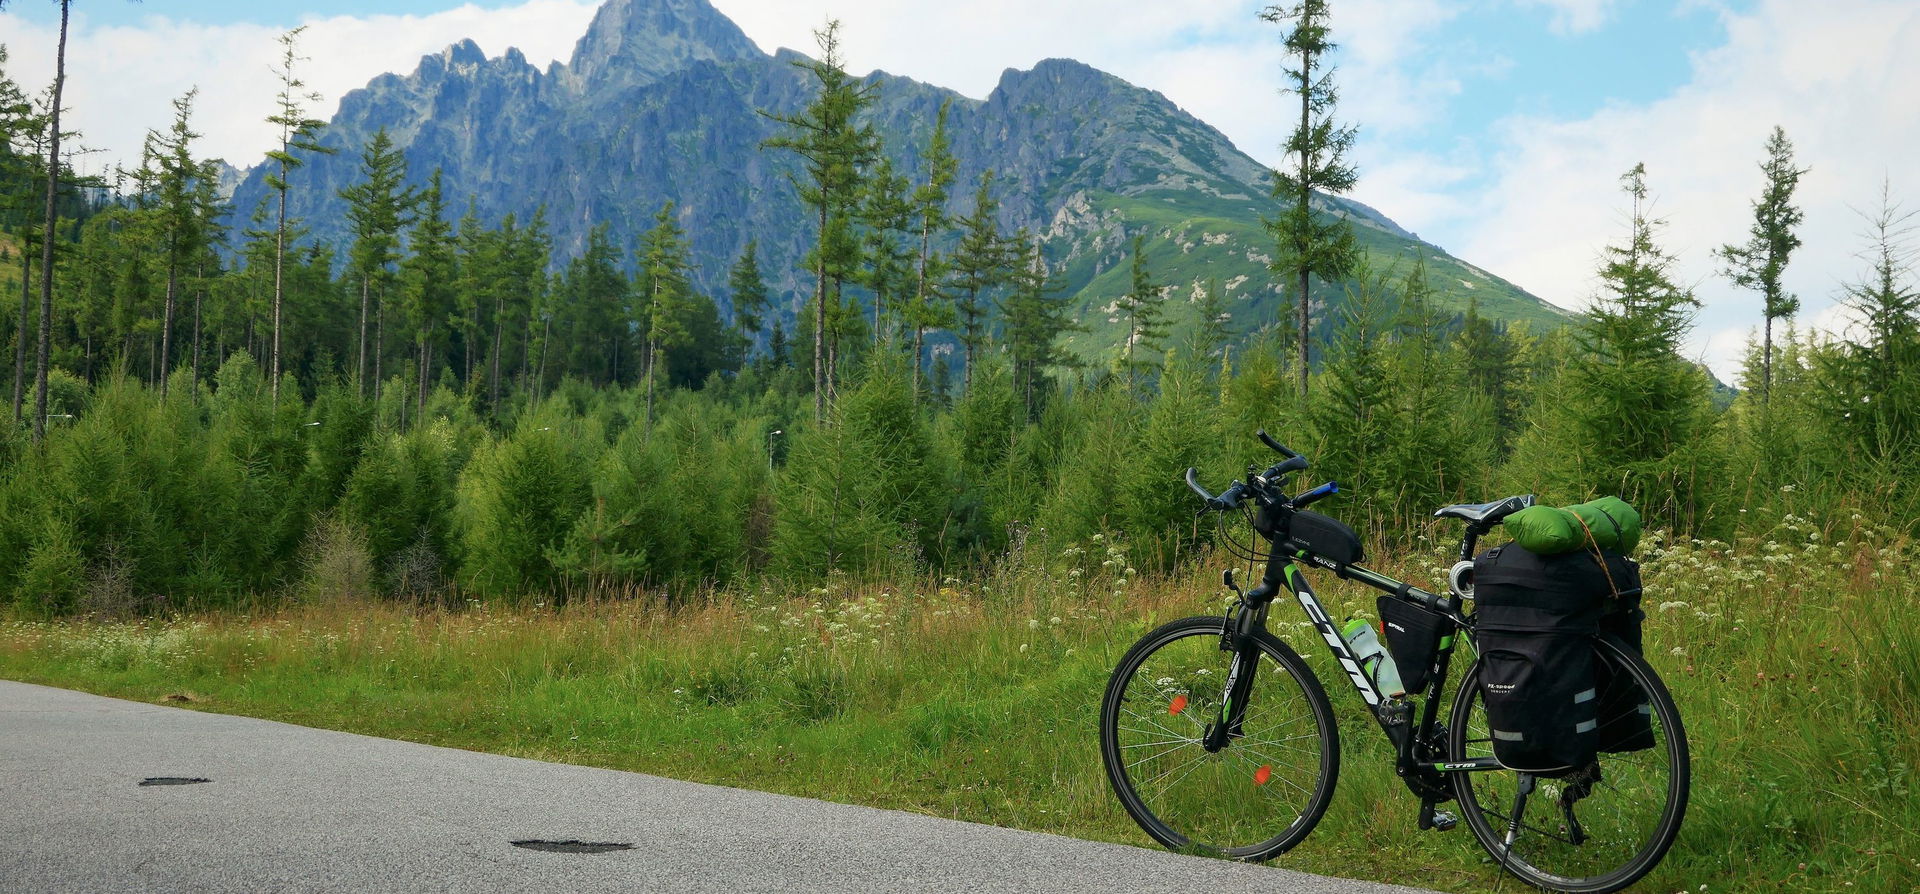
{"x": 293, "y": 809}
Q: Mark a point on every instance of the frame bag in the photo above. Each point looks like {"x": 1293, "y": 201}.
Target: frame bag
{"x": 1535, "y": 620}
{"x": 1413, "y": 636}
{"x": 1324, "y": 536}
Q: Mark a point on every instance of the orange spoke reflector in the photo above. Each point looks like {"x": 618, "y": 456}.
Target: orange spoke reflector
{"x": 1179, "y": 704}
{"x": 1263, "y": 774}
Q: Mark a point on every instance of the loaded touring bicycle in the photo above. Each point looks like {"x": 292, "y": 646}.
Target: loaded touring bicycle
{"x": 1561, "y": 746}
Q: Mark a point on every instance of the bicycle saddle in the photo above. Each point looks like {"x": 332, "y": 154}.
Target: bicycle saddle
{"x": 1485, "y": 513}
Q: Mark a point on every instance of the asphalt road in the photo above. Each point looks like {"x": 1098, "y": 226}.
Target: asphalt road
{"x": 295, "y": 809}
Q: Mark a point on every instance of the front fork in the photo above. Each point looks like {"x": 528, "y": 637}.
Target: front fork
{"x": 1244, "y": 622}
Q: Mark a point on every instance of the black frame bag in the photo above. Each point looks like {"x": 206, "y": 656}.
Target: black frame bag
{"x": 1413, "y": 635}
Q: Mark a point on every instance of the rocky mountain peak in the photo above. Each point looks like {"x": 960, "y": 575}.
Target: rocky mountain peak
{"x": 634, "y": 42}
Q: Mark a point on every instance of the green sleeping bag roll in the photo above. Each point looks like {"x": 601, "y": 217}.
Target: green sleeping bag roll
{"x": 1550, "y": 530}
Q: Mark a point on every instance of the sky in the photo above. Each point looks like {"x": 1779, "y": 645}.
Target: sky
{"x": 1496, "y": 129}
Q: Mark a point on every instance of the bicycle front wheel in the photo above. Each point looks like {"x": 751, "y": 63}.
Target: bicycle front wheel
{"x": 1256, "y": 797}
{"x": 1598, "y": 829}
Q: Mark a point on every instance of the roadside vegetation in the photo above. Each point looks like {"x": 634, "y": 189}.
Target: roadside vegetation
{"x": 977, "y": 699}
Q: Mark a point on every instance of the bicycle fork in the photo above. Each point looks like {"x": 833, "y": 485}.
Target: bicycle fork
{"x": 1242, "y": 640}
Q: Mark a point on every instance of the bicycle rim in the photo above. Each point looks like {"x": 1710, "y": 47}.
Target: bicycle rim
{"x": 1256, "y": 798}
{"x": 1629, "y": 820}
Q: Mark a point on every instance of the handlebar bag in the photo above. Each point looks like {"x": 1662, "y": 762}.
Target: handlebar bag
{"x": 1324, "y": 536}
{"x": 1413, "y": 635}
{"x": 1535, "y": 618}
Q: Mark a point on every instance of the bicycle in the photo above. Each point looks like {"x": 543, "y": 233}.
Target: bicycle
{"x": 1214, "y": 731}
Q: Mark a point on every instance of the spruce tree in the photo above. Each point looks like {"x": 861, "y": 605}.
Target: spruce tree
{"x": 836, "y": 150}
{"x": 1144, "y": 306}
{"x": 1759, "y": 262}
{"x": 22, "y": 127}
{"x": 1878, "y": 377}
{"x": 887, "y": 215}
{"x": 979, "y": 264}
{"x": 167, "y": 184}
{"x": 927, "y": 310}
{"x": 1036, "y": 314}
{"x": 666, "y": 290}
{"x": 296, "y": 132}
{"x": 1308, "y": 246}
{"x": 748, "y": 289}
{"x": 427, "y": 278}
{"x": 49, "y": 222}
{"x": 1213, "y": 329}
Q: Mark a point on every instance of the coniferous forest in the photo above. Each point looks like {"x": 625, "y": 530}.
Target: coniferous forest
{"x": 210, "y": 407}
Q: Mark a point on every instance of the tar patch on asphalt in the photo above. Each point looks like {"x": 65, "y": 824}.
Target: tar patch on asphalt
{"x": 173, "y": 780}
{"x": 573, "y": 846}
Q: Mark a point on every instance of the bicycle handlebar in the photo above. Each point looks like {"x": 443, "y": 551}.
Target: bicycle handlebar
{"x": 1236, "y": 492}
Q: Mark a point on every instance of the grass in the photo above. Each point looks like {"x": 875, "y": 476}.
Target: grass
{"x": 1792, "y": 655}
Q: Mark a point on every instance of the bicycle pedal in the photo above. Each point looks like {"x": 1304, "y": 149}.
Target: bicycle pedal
{"x": 1444, "y": 820}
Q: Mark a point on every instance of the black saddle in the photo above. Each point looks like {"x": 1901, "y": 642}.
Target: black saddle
{"x": 1485, "y": 513}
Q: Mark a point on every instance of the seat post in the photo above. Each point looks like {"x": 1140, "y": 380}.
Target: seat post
{"x": 1472, "y": 539}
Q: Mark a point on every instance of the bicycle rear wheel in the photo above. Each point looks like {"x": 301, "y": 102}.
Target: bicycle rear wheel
{"x": 1251, "y": 800}
{"x": 1626, "y": 821}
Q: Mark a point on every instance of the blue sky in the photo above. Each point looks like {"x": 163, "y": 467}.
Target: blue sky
{"x": 1494, "y": 128}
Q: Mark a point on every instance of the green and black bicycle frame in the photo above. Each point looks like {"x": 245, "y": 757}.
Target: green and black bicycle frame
{"x": 1420, "y": 749}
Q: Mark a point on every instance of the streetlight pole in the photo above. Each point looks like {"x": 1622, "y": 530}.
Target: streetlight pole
{"x": 770, "y": 436}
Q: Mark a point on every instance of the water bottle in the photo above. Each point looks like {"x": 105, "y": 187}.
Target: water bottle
{"x": 1374, "y": 659}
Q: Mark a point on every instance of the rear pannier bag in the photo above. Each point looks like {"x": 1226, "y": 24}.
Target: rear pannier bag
{"x": 1323, "y": 536}
{"x": 1413, "y": 636}
{"x": 1626, "y": 714}
{"x": 1535, "y": 617}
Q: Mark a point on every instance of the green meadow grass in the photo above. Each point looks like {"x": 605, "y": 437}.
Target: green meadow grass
{"x": 1793, "y": 657}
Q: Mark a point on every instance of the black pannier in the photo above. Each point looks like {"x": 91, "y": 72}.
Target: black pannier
{"x": 1324, "y": 536}
{"x": 1413, "y": 636}
{"x": 1535, "y": 617}
{"x": 1626, "y": 714}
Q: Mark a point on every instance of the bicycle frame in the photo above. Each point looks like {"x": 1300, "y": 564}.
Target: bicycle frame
{"x": 1420, "y": 754}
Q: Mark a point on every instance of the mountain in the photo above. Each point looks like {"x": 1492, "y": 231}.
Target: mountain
{"x": 661, "y": 101}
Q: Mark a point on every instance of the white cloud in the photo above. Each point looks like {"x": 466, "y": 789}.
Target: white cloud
{"x": 1838, "y": 76}
{"x": 1575, "y": 16}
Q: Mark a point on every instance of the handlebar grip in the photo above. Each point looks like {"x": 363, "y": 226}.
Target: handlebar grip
{"x": 1193, "y": 481}
{"x": 1276, "y": 445}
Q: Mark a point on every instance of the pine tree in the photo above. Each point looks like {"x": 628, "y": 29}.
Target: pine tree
{"x": 748, "y": 289}
{"x": 1144, "y": 306}
{"x": 887, "y": 215}
{"x": 1036, "y": 315}
{"x": 297, "y": 131}
{"x": 1879, "y": 377}
{"x": 1212, "y": 332}
{"x": 927, "y": 310}
{"x": 49, "y": 221}
{"x": 167, "y": 183}
{"x": 979, "y": 264}
{"x": 1308, "y": 247}
{"x": 1627, "y": 415}
{"x": 427, "y": 279}
{"x": 21, "y": 127}
{"x": 666, "y": 291}
{"x": 1759, "y": 262}
{"x": 836, "y": 150}
{"x": 532, "y": 254}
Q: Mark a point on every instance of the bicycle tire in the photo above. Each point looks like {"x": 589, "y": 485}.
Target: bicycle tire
{"x": 1626, "y": 841}
{"x": 1236, "y": 794}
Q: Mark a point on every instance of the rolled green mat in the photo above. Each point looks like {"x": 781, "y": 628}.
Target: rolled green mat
{"x": 1551, "y": 530}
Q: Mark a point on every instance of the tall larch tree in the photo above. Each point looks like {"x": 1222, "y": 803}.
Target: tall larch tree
{"x": 296, "y": 132}
{"x": 665, "y": 288}
{"x": 22, "y": 129}
{"x": 378, "y": 208}
{"x": 748, "y": 288}
{"x": 1759, "y": 262}
{"x": 1036, "y": 314}
{"x": 1311, "y": 244}
{"x": 48, "y": 223}
{"x": 167, "y": 183}
{"x": 1144, "y": 306}
{"x": 427, "y": 278}
{"x": 979, "y": 264}
{"x": 886, "y": 214}
{"x": 927, "y": 310}
{"x": 836, "y": 149}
